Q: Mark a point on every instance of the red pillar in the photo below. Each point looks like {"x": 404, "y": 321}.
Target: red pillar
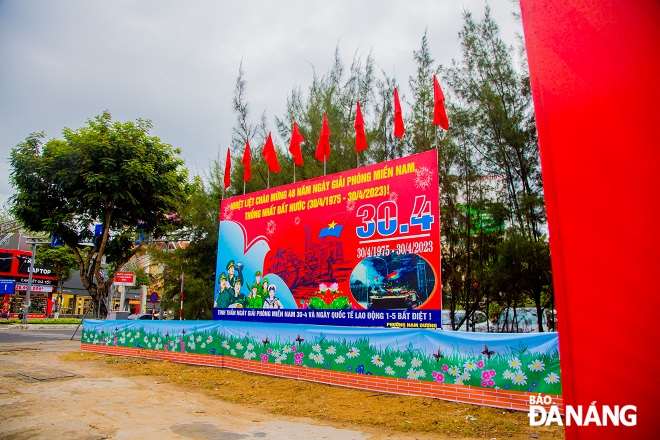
{"x": 594, "y": 67}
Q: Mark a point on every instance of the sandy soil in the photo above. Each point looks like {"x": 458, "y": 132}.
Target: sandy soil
{"x": 45, "y": 397}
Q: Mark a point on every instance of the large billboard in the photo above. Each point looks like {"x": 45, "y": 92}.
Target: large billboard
{"x": 357, "y": 248}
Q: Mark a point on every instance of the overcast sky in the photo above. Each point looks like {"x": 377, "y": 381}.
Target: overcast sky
{"x": 175, "y": 62}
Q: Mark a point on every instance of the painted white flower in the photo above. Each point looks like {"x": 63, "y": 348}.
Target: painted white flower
{"x": 203, "y": 345}
{"x": 282, "y": 356}
{"x": 153, "y": 339}
{"x": 515, "y": 363}
{"x": 340, "y": 359}
{"x": 232, "y": 352}
{"x": 128, "y": 341}
{"x": 225, "y": 344}
{"x": 239, "y": 346}
{"x": 191, "y": 345}
{"x": 377, "y": 361}
{"x": 389, "y": 370}
{"x": 415, "y": 362}
{"x": 192, "y": 338}
{"x": 454, "y": 371}
{"x": 209, "y": 339}
{"x": 331, "y": 350}
{"x": 470, "y": 365}
{"x": 316, "y": 348}
{"x": 199, "y": 339}
{"x": 137, "y": 335}
{"x": 312, "y": 355}
{"x": 146, "y": 340}
{"x": 287, "y": 349}
{"x": 537, "y": 365}
{"x": 318, "y": 358}
{"x": 353, "y": 352}
{"x": 149, "y": 345}
{"x": 459, "y": 381}
{"x": 519, "y": 378}
{"x": 465, "y": 376}
{"x": 421, "y": 373}
{"x": 508, "y": 374}
{"x": 551, "y": 378}
{"x": 276, "y": 353}
{"x": 399, "y": 362}
{"x": 247, "y": 355}
{"x": 250, "y": 346}
{"x": 411, "y": 374}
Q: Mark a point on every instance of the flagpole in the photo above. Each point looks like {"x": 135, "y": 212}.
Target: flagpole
{"x": 244, "y": 187}
{"x": 324, "y": 165}
{"x": 294, "y": 171}
{"x": 268, "y": 183}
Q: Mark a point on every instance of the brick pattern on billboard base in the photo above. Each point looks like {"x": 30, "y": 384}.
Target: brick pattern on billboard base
{"x": 514, "y": 400}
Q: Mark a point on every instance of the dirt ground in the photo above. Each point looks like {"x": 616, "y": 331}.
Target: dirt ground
{"x": 52, "y": 390}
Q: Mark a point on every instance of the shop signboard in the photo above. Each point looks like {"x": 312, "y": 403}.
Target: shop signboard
{"x": 7, "y": 287}
{"x": 124, "y": 279}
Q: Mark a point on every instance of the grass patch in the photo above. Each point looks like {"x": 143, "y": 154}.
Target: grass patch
{"x": 41, "y": 321}
{"x": 333, "y": 405}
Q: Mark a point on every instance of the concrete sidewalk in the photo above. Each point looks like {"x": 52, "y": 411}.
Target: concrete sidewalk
{"x": 45, "y": 397}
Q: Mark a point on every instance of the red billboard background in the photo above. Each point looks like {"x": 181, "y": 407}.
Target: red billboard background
{"x": 365, "y": 239}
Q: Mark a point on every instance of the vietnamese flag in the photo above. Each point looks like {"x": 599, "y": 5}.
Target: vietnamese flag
{"x": 247, "y": 164}
{"x": 294, "y": 146}
{"x": 360, "y": 136}
{"x": 398, "y": 116}
{"x": 439, "y": 112}
{"x": 323, "y": 147}
{"x": 228, "y": 170}
{"x": 269, "y": 155}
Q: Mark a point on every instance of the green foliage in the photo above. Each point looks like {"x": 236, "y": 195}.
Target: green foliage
{"x": 110, "y": 173}
{"x": 60, "y": 259}
{"x": 199, "y": 216}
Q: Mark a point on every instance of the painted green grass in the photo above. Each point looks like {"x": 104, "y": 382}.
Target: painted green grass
{"x": 517, "y": 369}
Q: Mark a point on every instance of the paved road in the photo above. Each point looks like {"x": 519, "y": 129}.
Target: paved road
{"x": 20, "y": 335}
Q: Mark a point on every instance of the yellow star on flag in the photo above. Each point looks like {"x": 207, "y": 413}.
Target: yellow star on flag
{"x": 332, "y": 225}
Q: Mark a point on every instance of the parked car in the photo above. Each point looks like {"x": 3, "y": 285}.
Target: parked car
{"x": 478, "y": 320}
{"x": 525, "y": 320}
{"x": 142, "y": 316}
